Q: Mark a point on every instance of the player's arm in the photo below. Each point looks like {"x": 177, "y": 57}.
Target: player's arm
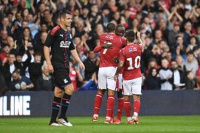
{"x": 76, "y": 57}
{"x": 75, "y": 54}
{"x": 98, "y": 48}
{"x": 47, "y": 55}
{"x": 120, "y": 65}
{"x": 105, "y": 45}
{"x": 47, "y": 45}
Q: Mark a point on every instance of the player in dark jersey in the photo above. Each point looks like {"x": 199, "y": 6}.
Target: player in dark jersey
{"x": 62, "y": 46}
{"x": 129, "y": 59}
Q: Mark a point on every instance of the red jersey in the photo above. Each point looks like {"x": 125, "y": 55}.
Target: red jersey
{"x": 109, "y": 57}
{"x": 131, "y": 56}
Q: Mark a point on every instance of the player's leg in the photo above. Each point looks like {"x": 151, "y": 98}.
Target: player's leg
{"x": 97, "y": 103}
{"x": 120, "y": 100}
{"x": 127, "y": 108}
{"x": 55, "y": 106}
{"x": 111, "y": 85}
{"x": 136, "y": 91}
{"x": 110, "y": 106}
{"x": 68, "y": 91}
{"x": 136, "y": 108}
{"x": 100, "y": 93}
{"x": 127, "y": 104}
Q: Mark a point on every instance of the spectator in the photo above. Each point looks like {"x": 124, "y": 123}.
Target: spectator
{"x": 5, "y": 52}
{"x": 43, "y": 28}
{"x": 39, "y": 45}
{"x": 20, "y": 83}
{"x": 75, "y": 76}
{"x": 3, "y": 37}
{"x": 190, "y": 81}
{"x": 187, "y": 33}
{"x": 8, "y": 66}
{"x": 165, "y": 75}
{"x": 178, "y": 76}
{"x": 91, "y": 65}
{"x": 178, "y": 48}
{"x": 191, "y": 63}
{"x": 34, "y": 68}
{"x": 45, "y": 81}
{"x": 180, "y": 63}
{"x": 192, "y": 44}
{"x": 152, "y": 81}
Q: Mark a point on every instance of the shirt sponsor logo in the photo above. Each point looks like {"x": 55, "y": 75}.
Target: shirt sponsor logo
{"x": 109, "y": 36}
{"x": 65, "y": 44}
{"x": 61, "y": 35}
{"x": 134, "y": 49}
{"x": 130, "y": 49}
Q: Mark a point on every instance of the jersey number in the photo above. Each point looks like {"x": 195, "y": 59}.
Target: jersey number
{"x": 105, "y": 50}
{"x": 136, "y": 64}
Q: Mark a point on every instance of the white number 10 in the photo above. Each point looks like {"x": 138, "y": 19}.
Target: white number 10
{"x": 137, "y": 62}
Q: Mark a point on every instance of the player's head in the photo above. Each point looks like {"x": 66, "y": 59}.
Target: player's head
{"x": 65, "y": 18}
{"x": 120, "y": 30}
{"x": 130, "y": 36}
{"x": 110, "y": 27}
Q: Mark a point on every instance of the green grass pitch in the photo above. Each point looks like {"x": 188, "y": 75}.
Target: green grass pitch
{"x": 148, "y": 124}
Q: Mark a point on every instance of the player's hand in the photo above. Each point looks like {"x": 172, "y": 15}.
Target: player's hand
{"x": 107, "y": 45}
{"x": 116, "y": 77}
{"x": 138, "y": 34}
{"x": 82, "y": 65}
{"x": 50, "y": 68}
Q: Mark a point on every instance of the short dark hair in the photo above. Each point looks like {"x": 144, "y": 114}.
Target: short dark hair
{"x": 63, "y": 12}
{"x": 120, "y": 30}
{"x": 17, "y": 71}
{"x": 110, "y": 27}
{"x": 37, "y": 53}
{"x": 190, "y": 53}
{"x": 130, "y": 35}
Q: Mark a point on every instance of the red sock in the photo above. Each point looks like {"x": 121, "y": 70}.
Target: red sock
{"x": 120, "y": 106}
{"x": 127, "y": 107}
{"x": 97, "y": 103}
{"x": 136, "y": 107}
{"x": 110, "y": 105}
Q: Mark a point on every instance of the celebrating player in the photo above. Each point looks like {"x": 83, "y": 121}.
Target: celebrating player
{"x": 61, "y": 42}
{"x": 110, "y": 45}
{"x": 120, "y": 30}
{"x": 129, "y": 59}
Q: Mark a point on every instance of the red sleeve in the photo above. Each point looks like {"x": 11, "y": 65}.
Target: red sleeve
{"x": 121, "y": 56}
{"x": 97, "y": 48}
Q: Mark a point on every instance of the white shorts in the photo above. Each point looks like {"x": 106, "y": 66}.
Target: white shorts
{"x": 133, "y": 86}
{"x": 119, "y": 82}
{"x": 106, "y": 78}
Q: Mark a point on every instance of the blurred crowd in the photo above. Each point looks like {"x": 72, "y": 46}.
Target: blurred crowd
{"x": 170, "y": 28}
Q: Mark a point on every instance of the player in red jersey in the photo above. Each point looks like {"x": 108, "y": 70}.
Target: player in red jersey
{"x": 120, "y": 30}
{"x": 110, "y": 45}
{"x": 129, "y": 59}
